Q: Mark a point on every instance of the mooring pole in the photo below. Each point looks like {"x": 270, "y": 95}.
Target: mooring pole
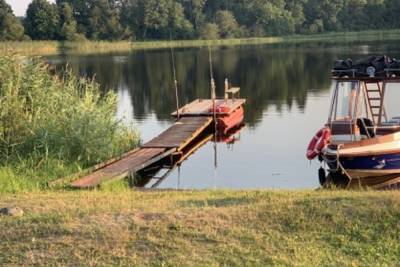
{"x": 213, "y": 97}
{"x": 213, "y": 93}
{"x": 175, "y": 79}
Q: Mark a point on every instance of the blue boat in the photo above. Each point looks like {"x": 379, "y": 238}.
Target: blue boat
{"x": 360, "y": 143}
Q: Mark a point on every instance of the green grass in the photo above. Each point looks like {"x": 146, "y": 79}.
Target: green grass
{"x": 21, "y": 177}
{"x": 207, "y": 228}
{"x": 37, "y": 48}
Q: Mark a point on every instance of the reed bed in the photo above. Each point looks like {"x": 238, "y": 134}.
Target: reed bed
{"x": 30, "y": 48}
{"x": 362, "y": 36}
{"x": 124, "y": 46}
{"x": 53, "y": 125}
{"x": 43, "y": 48}
{"x": 91, "y": 47}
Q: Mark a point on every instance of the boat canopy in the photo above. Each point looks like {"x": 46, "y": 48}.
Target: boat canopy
{"x": 375, "y": 66}
{"x": 365, "y": 98}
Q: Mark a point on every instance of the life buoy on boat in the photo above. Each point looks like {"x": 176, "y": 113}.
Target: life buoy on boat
{"x": 319, "y": 141}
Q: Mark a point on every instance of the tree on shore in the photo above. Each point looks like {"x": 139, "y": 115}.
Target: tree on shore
{"x": 227, "y": 24}
{"x": 81, "y": 11}
{"x": 194, "y": 11}
{"x": 210, "y": 31}
{"x": 324, "y": 14}
{"x": 155, "y": 18}
{"x": 179, "y": 26}
{"x": 189, "y": 19}
{"x": 11, "y": 28}
{"x": 104, "y": 22}
{"x": 68, "y": 25}
{"x": 42, "y": 20}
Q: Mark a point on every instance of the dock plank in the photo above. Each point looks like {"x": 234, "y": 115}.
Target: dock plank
{"x": 120, "y": 169}
{"x": 181, "y": 133}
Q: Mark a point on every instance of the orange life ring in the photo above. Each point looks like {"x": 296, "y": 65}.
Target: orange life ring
{"x": 319, "y": 141}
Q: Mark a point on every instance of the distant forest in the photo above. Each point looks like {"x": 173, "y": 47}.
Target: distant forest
{"x": 75, "y": 20}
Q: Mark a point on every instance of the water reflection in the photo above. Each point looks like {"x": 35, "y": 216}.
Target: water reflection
{"x": 277, "y": 76}
{"x": 154, "y": 175}
{"x": 287, "y": 92}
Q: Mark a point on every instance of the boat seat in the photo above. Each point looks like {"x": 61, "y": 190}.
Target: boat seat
{"x": 342, "y": 127}
{"x": 395, "y": 121}
{"x": 232, "y": 93}
{"x": 384, "y": 130}
{"x": 389, "y": 127}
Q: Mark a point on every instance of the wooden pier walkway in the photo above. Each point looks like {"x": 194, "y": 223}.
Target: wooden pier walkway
{"x": 171, "y": 142}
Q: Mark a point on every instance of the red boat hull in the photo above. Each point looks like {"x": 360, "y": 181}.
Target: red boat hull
{"x": 226, "y": 123}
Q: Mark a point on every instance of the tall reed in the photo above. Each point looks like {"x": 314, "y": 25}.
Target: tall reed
{"x": 47, "y": 120}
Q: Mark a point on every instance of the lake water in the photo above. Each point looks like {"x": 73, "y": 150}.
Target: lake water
{"x": 287, "y": 88}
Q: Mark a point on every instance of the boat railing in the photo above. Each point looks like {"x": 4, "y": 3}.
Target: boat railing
{"x": 389, "y": 71}
{"x": 383, "y": 127}
{"x": 388, "y": 74}
{"x": 349, "y": 71}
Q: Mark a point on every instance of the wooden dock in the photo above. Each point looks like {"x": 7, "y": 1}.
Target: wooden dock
{"x": 204, "y": 107}
{"x": 170, "y": 143}
{"x": 172, "y": 146}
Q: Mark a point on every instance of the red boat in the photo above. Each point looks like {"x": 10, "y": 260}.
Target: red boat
{"x": 229, "y": 112}
{"x": 228, "y": 119}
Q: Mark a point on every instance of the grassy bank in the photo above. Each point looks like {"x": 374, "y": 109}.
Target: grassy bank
{"x": 51, "y": 48}
{"x": 202, "y": 229}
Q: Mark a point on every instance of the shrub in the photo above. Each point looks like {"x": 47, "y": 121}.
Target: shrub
{"x": 210, "y": 31}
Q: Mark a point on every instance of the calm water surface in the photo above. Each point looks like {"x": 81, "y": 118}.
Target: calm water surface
{"x": 287, "y": 88}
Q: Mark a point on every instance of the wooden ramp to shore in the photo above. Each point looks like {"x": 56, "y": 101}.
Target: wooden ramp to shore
{"x": 173, "y": 141}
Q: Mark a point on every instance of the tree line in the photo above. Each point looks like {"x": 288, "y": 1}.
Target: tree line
{"x": 75, "y": 20}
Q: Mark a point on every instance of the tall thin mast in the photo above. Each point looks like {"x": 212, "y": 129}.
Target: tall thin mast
{"x": 213, "y": 96}
{"x": 175, "y": 79}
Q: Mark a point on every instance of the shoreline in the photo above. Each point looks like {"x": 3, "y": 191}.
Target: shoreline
{"x": 48, "y": 48}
